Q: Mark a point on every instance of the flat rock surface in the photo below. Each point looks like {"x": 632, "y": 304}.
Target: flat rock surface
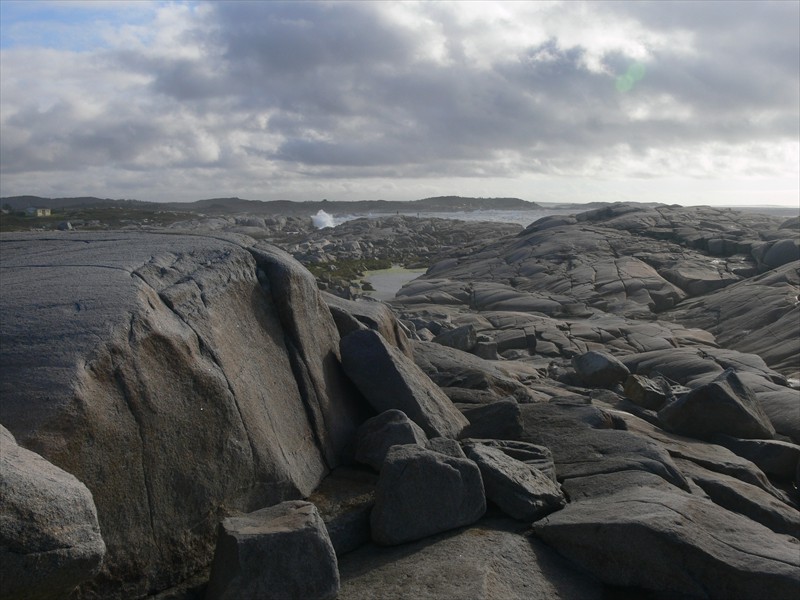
{"x": 645, "y": 533}
{"x": 491, "y": 560}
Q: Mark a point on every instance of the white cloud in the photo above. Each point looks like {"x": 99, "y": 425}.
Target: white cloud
{"x": 286, "y": 99}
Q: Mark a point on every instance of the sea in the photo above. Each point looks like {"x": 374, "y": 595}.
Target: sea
{"x": 519, "y": 217}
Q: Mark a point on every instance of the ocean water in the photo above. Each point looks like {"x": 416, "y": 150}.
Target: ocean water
{"x": 520, "y": 217}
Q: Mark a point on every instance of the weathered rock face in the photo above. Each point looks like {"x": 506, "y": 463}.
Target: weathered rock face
{"x": 278, "y": 552}
{"x": 161, "y": 337}
{"x": 49, "y": 536}
{"x": 390, "y": 380}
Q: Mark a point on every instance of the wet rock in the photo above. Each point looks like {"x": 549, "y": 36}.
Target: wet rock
{"x": 282, "y": 551}
{"x": 400, "y": 384}
{"x": 421, "y": 492}
{"x": 726, "y": 405}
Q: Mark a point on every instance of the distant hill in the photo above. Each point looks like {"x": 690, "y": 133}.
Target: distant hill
{"x": 286, "y": 207}
{"x": 23, "y": 202}
{"x": 282, "y": 207}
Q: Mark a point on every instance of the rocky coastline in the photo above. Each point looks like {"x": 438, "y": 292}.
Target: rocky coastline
{"x": 600, "y": 405}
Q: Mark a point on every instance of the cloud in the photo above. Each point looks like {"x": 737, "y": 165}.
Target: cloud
{"x": 261, "y": 97}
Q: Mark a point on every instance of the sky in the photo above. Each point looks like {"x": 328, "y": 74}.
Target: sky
{"x": 679, "y": 102}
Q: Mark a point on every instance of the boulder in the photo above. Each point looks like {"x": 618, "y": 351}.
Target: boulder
{"x": 648, "y": 393}
{"x": 173, "y": 375}
{"x": 461, "y": 338}
{"x": 388, "y": 379}
{"x": 278, "y": 552}
{"x": 421, "y": 492}
{"x": 378, "y": 434}
{"x": 520, "y": 491}
{"x": 446, "y": 446}
{"x": 535, "y": 457}
{"x": 600, "y": 369}
{"x": 499, "y": 420}
{"x": 491, "y": 560}
{"x": 726, "y": 405}
{"x": 350, "y": 315}
{"x": 674, "y": 543}
{"x": 49, "y": 535}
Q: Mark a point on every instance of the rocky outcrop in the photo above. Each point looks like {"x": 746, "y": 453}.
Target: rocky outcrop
{"x": 50, "y": 540}
{"x": 199, "y": 378}
{"x": 262, "y": 554}
{"x": 160, "y": 337}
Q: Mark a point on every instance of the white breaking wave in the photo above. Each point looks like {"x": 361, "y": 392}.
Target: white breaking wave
{"x": 321, "y": 220}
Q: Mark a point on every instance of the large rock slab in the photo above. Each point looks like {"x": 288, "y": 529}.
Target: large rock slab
{"x": 278, "y": 552}
{"x": 49, "y": 535}
{"x": 676, "y": 543}
{"x": 388, "y": 379}
{"x": 521, "y": 492}
{"x": 745, "y": 499}
{"x": 421, "y": 492}
{"x": 491, "y": 560}
{"x": 170, "y": 377}
{"x": 584, "y": 442}
{"x": 726, "y": 405}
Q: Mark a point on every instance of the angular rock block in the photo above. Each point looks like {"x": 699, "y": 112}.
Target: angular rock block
{"x": 600, "y": 369}
{"x": 461, "y": 338}
{"x": 49, "y": 536}
{"x": 499, "y": 420}
{"x": 674, "y": 543}
{"x": 421, "y": 492}
{"x": 388, "y": 379}
{"x": 534, "y": 456}
{"x": 725, "y": 405}
{"x": 521, "y": 492}
{"x": 378, "y": 434}
{"x": 282, "y": 551}
{"x": 648, "y": 393}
